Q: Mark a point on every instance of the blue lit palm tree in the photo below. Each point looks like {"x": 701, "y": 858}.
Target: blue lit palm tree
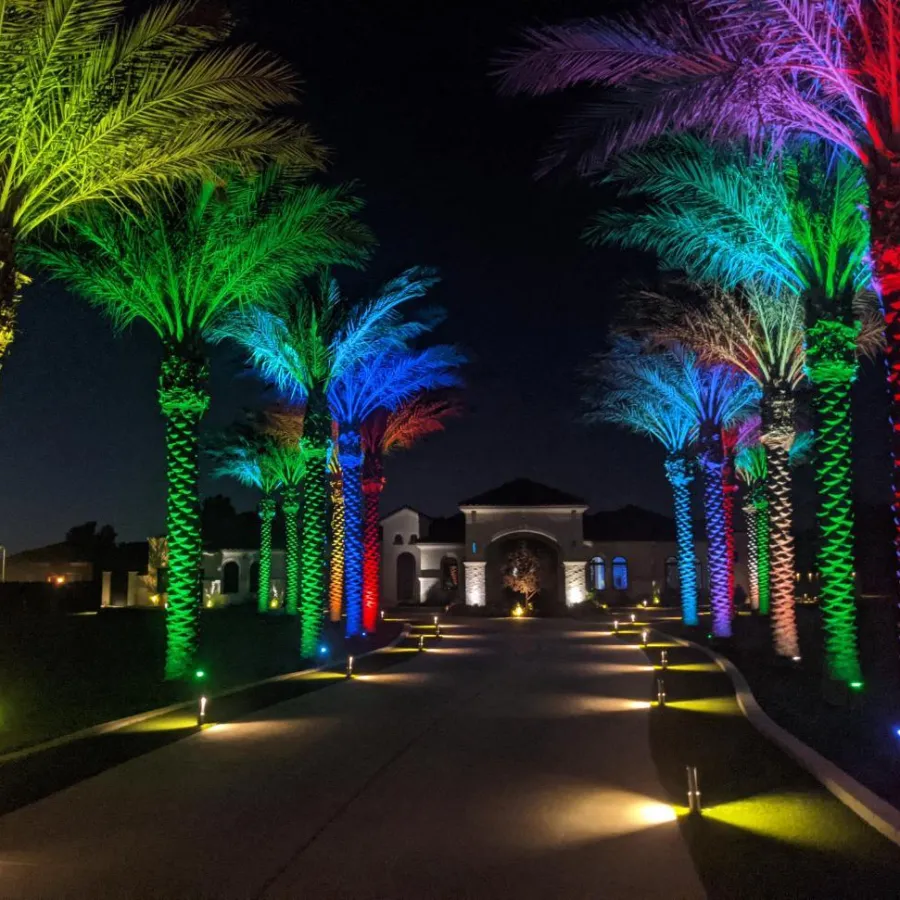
{"x": 384, "y": 381}
{"x": 303, "y": 346}
{"x": 670, "y": 396}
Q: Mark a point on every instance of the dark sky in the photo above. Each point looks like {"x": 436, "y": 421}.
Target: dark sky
{"x": 401, "y": 94}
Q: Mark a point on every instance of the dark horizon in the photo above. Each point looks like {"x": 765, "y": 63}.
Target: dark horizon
{"x": 404, "y": 99}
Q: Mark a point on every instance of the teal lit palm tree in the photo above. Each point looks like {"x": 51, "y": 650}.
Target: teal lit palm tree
{"x": 180, "y": 266}
{"x": 303, "y": 346}
{"x": 96, "y": 107}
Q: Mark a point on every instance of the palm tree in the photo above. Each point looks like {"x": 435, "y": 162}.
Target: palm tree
{"x": 246, "y": 457}
{"x": 794, "y": 226}
{"x": 304, "y": 345}
{"x": 384, "y": 432}
{"x": 181, "y": 272}
{"x": 97, "y": 108}
{"x": 383, "y": 382}
{"x": 770, "y": 69}
{"x": 750, "y": 463}
{"x": 336, "y": 533}
{"x": 670, "y": 396}
{"x": 285, "y": 424}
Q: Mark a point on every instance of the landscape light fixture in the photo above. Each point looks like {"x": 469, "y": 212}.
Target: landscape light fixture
{"x": 856, "y": 685}
{"x": 616, "y": 626}
{"x": 201, "y": 711}
{"x": 645, "y": 634}
{"x": 693, "y": 791}
{"x": 323, "y": 650}
{"x": 633, "y": 618}
{"x": 349, "y": 667}
{"x": 660, "y": 692}
{"x": 796, "y": 659}
{"x": 664, "y": 659}
{"x": 421, "y": 643}
{"x": 381, "y": 613}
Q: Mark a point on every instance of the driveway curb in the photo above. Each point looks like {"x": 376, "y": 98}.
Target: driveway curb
{"x": 874, "y": 811}
{"x": 118, "y": 724}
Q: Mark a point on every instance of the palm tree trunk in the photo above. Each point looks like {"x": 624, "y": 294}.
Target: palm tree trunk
{"x": 728, "y": 490}
{"x": 717, "y": 542}
{"x": 290, "y": 507}
{"x": 315, "y": 443}
{"x": 183, "y": 400}
{"x": 372, "y": 487}
{"x": 832, "y": 367}
{"x": 680, "y": 474}
{"x": 11, "y": 283}
{"x": 883, "y": 174}
{"x": 336, "y": 555}
{"x": 264, "y": 588}
{"x": 752, "y": 554}
{"x": 351, "y": 456}
{"x": 777, "y": 411}
{"x": 763, "y": 558}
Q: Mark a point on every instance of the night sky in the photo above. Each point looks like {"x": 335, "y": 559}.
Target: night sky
{"x": 403, "y": 97}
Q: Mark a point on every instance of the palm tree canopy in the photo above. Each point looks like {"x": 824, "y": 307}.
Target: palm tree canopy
{"x": 94, "y": 107}
{"x": 305, "y": 344}
{"x": 245, "y": 456}
{"x": 764, "y": 68}
{"x": 239, "y": 243}
{"x": 384, "y": 431}
{"x": 756, "y": 331}
{"x": 666, "y": 394}
{"x": 387, "y": 380}
{"x": 795, "y": 222}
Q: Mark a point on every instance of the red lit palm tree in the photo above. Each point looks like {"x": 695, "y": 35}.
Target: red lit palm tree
{"x": 382, "y": 433}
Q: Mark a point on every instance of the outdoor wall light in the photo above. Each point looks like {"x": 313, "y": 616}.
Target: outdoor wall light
{"x": 349, "y": 667}
{"x": 693, "y": 791}
{"x": 660, "y": 692}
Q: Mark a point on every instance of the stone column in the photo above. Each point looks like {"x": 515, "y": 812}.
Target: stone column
{"x": 475, "y": 595}
{"x": 575, "y": 582}
{"x": 106, "y": 590}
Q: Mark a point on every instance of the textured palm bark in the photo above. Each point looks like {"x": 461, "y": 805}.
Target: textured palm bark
{"x": 712, "y": 462}
{"x": 729, "y": 488}
{"x": 883, "y": 174}
{"x": 679, "y": 472}
{"x": 752, "y": 555}
{"x": 372, "y": 487}
{"x": 183, "y": 400}
{"x": 763, "y": 563}
{"x": 832, "y": 367}
{"x": 316, "y": 445}
{"x": 290, "y": 507}
{"x": 336, "y": 549}
{"x": 351, "y": 456}
{"x": 264, "y": 588}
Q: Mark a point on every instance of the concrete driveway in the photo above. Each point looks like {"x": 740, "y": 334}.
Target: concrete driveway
{"x": 512, "y": 761}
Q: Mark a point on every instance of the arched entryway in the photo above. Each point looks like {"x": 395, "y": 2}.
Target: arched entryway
{"x": 406, "y": 578}
{"x": 549, "y": 599}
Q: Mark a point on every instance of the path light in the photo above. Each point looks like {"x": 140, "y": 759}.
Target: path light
{"x": 663, "y": 659}
{"x": 201, "y": 711}
{"x": 645, "y": 634}
{"x": 349, "y": 666}
{"x": 616, "y": 626}
{"x": 644, "y": 603}
{"x": 693, "y": 791}
{"x": 382, "y": 615}
{"x": 421, "y": 642}
{"x": 633, "y": 618}
{"x": 518, "y": 610}
{"x": 660, "y": 692}
{"x": 796, "y": 659}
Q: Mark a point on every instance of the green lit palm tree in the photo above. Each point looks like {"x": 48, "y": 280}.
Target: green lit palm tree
{"x": 793, "y": 224}
{"x": 180, "y": 268}
{"x": 97, "y": 107}
{"x": 245, "y": 456}
{"x": 303, "y": 346}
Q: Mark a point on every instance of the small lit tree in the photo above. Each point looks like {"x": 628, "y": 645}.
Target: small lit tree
{"x": 522, "y": 573}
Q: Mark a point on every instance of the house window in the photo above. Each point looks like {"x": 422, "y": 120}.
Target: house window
{"x": 398, "y": 539}
{"x": 231, "y": 576}
{"x": 449, "y": 573}
{"x": 414, "y": 539}
{"x": 620, "y": 573}
{"x": 598, "y": 574}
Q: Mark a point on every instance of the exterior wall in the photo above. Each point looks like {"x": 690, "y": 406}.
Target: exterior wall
{"x": 406, "y": 525}
{"x": 34, "y": 570}
{"x": 213, "y": 575}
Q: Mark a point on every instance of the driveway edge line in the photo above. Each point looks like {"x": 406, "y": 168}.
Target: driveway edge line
{"x": 137, "y": 718}
{"x": 871, "y": 808}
